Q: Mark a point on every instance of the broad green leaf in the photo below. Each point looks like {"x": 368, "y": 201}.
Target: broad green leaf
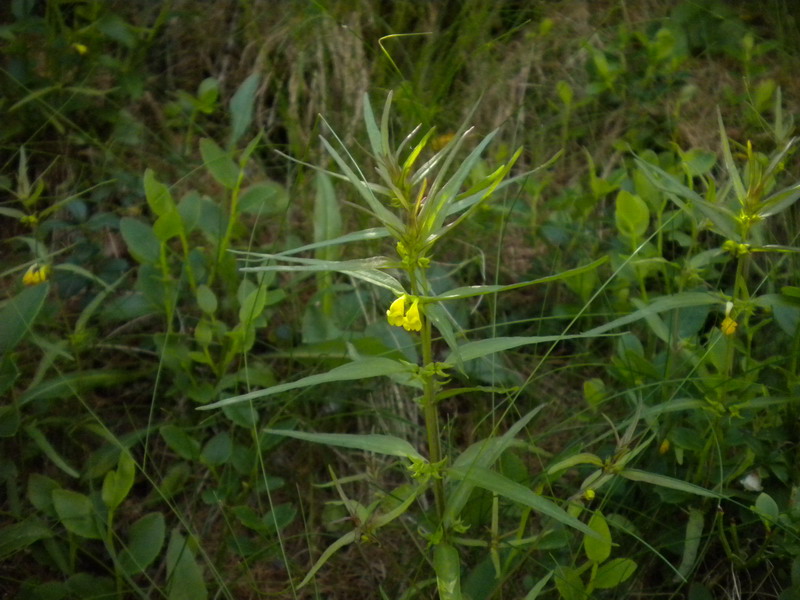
{"x": 142, "y": 242}
{"x": 614, "y": 572}
{"x": 447, "y": 566}
{"x": 279, "y": 518}
{"x": 569, "y": 584}
{"x": 184, "y": 575}
{"x": 253, "y": 305}
{"x": 9, "y": 420}
{"x": 631, "y": 215}
{"x": 691, "y": 543}
{"x": 180, "y": 442}
{"x": 369, "y": 442}
{"x": 158, "y": 197}
{"x": 667, "y": 482}
{"x": 767, "y": 509}
{"x": 698, "y": 162}
{"x": 40, "y": 493}
{"x": 505, "y": 487}
{"x": 219, "y": 163}
{"x": 168, "y": 225}
{"x": 145, "y": 540}
{"x": 206, "y": 299}
{"x": 242, "y": 107}
{"x": 598, "y": 548}
{"x": 76, "y": 513}
{"x": 118, "y": 483}
{"x": 19, "y": 314}
{"x": 360, "y": 369}
{"x": 264, "y": 199}
{"x": 15, "y": 538}
{"x": 218, "y": 449}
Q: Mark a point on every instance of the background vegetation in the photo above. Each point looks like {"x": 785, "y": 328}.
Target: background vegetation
{"x": 142, "y": 142}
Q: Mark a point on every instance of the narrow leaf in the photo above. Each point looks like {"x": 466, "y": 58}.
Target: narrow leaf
{"x": 373, "y": 442}
{"x": 361, "y": 369}
{"x": 503, "y": 486}
{"x": 668, "y": 482}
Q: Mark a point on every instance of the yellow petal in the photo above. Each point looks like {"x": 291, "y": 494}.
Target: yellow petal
{"x": 728, "y": 326}
{"x": 413, "y": 322}
{"x": 396, "y": 313}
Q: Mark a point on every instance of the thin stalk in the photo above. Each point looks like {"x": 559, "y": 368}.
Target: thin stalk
{"x": 431, "y": 415}
{"x": 429, "y": 411}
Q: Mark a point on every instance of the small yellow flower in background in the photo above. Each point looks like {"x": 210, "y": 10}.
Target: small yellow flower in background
{"x": 397, "y": 311}
{"x": 80, "y": 48}
{"x": 728, "y": 326}
{"x": 36, "y": 274}
{"x": 440, "y": 141}
{"x": 664, "y": 447}
{"x": 412, "y": 321}
{"x": 589, "y": 494}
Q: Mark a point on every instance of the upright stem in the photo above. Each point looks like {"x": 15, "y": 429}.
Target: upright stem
{"x": 430, "y": 413}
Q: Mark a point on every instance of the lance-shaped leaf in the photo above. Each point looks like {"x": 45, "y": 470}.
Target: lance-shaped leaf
{"x": 372, "y": 442}
{"x": 667, "y": 482}
{"x": 505, "y": 487}
{"x": 367, "y": 269}
{"x": 374, "y": 522}
{"x": 480, "y": 290}
{"x": 722, "y": 218}
{"x": 387, "y": 217}
{"x": 360, "y": 369}
{"x": 730, "y": 166}
{"x": 373, "y": 233}
{"x": 477, "y": 349}
{"x": 779, "y": 201}
{"x": 481, "y": 454}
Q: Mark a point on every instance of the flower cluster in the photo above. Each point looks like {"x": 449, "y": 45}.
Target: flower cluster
{"x": 36, "y": 274}
{"x": 398, "y": 316}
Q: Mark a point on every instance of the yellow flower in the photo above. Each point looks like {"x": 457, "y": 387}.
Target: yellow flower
{"x": 589, "y": 494}
{"x": 36, "y": 274}
{"x": 412, "y": 321}
{"x": 664, "y": 447}
{"x": 80, "y": 48}
{"x": 728, "y": 326}
{"x": 396, "y": 312}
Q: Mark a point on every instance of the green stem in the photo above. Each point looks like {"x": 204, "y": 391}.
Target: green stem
{"x": 430, "y": 413}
